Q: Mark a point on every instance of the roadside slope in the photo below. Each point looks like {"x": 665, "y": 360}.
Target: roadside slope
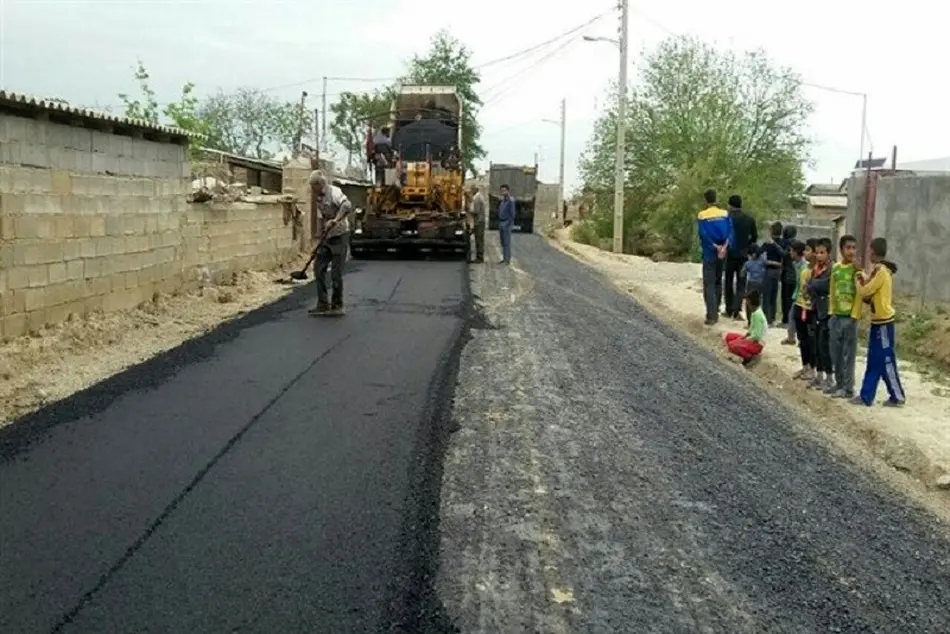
{"x": 913, "y": 440}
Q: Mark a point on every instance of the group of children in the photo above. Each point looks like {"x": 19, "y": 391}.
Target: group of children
{"x": 826, "y": 303}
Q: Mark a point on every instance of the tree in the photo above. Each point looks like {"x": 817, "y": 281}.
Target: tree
{"x": 701, "y": 118}
{"x": 248, "y": 122}
{"x": 251, "y": 123}
{"x": 353, "y": 114}
{"x": 448, "y": 63}
{"x": 183, "y": 113}
{"x": 145, "y": 107}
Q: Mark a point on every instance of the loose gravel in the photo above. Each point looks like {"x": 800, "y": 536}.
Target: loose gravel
{"x": 608, "y": 476}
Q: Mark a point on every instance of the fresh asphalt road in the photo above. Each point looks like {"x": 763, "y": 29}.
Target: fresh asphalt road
{"x": 604, "y": 475}
{"x": 608, "y": 476}
{"x": 274, "y": 476}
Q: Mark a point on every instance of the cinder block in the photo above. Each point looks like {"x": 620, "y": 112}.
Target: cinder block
{"x": 57, "y": 273}
{"x": 12, "y": 301}
{"x": 35, "y": 299}
{"x": 60, "y": 182}
{"x": 72, "y": 250}
{"x": 64, "y": 226}
{"x": 97, "y": 226}
{"x": 40, "y": 204}
{"x": 39, "y": 276}
{"x": 87, "y": 248}
{"x": 14, "y": 326}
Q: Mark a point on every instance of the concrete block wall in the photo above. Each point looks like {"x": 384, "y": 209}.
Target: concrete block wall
{"x": 221, "y": 238}
{"x": 93, "y": 221}
{"x": 913, "y": 213}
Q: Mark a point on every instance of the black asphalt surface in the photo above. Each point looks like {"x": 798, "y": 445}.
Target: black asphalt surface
{"x": 276, "y": 476}
{"x": 608, "y": 476}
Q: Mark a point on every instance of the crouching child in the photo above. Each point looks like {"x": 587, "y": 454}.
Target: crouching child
{"x": 749, "y": 346}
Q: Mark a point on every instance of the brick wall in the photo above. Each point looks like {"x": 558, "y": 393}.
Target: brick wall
{"x": 95, "y": 221}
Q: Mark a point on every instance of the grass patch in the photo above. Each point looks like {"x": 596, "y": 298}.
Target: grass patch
{"x": 923, "y": 337}
{"x": 585, "y": 233}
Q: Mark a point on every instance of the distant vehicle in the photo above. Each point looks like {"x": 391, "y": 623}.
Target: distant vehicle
{"x": 419, "y": 202}
{"x": 522, "y": 181}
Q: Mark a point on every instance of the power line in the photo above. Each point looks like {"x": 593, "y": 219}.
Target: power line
{"x": 547, "y": 42}
{"x": 499, "y": 60}
{"x": 537, "y": 64}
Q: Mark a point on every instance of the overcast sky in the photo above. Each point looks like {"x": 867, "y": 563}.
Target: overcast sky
{"x": 84, "y": 51}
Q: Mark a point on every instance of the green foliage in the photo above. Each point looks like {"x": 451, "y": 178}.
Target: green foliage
{"x": 585, "y": 233}
{"x": 145, "y": 108}
{"x": 248, "y": 122}
{"x": 353, "y": 114}
{"x": 448, "y": 63}
{"x": 701, "y": 118}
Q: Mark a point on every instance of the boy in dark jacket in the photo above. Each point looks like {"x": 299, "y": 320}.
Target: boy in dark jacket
{"x": 789, "y": 274}
{"x": 774, "y": 255}
{"x": 818, "y": 289}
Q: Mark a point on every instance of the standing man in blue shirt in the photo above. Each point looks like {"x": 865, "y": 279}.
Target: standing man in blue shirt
{"x": 506, "y": 223}
{"x": 715, "y": 235}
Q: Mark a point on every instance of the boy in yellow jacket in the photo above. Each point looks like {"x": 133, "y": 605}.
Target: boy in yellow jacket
{"x": 876, "y": 289}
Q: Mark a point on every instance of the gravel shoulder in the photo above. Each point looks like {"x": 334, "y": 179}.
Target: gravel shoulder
{"x": 914, "y": 440}
{"x": 599, "y": 482}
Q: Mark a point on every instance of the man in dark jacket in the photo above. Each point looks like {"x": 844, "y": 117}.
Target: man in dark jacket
{"x": 746, "y": 235}
{"x": 506, "y": 223}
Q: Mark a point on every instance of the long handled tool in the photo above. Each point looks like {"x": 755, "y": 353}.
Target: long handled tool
{"x": 301, "y": 275}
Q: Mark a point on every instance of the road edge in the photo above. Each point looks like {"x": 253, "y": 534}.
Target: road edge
{"x": 896, "y": 453}
{"x": 28, "y": 430}
{"x": 414, "y": 605}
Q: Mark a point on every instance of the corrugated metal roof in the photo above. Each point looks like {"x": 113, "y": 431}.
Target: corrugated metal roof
{"x": 837, "y": 202}
{"x": 245, "y": 161}
{"x": 340, "y": 180}
{"x": 27, "y": 102}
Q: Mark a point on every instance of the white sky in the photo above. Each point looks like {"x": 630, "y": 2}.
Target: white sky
{"x": 84, "y": 51}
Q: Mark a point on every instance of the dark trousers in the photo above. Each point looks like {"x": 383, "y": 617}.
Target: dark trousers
{"x": 823, "y": 345}
{"x": 332, "y": 256}
{"x": 788, "y": 289}
{"x": 712, "y": 287}
{"x": 479, "y": 231}
{"x": 504, "y": 236}
{"x": 734, "y": 286}
{"x": 770, "y": 294}
{"x": 882, "y": 364}
{"x": 844, "y": 347}
{"x": 807, "y": 342}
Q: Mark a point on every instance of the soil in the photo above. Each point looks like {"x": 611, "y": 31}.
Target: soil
{"x": 66, "y": 358}
{"x": 914, "y": 439}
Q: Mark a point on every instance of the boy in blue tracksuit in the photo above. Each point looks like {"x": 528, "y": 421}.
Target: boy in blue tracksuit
{"x": 715, "y": 235}
{"x": 506, "y": 223}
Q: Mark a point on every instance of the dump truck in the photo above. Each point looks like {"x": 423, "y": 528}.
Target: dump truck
{"x": 418, "y": 203}
{"x": 522, "y": 182}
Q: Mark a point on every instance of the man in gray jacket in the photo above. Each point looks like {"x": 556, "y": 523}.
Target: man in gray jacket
{"x": 332, "y": 209}
{"x": 478, "y": 208}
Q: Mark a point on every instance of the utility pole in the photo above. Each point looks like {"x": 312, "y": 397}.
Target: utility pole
{"x": 323, "y": 131}
{"x": 560, "y": 189}
{"x": 316, "y": 130}
{"x": 619, "y": 171}
{"x": 864, "y": 127}
{"x": 298, "y": 141}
